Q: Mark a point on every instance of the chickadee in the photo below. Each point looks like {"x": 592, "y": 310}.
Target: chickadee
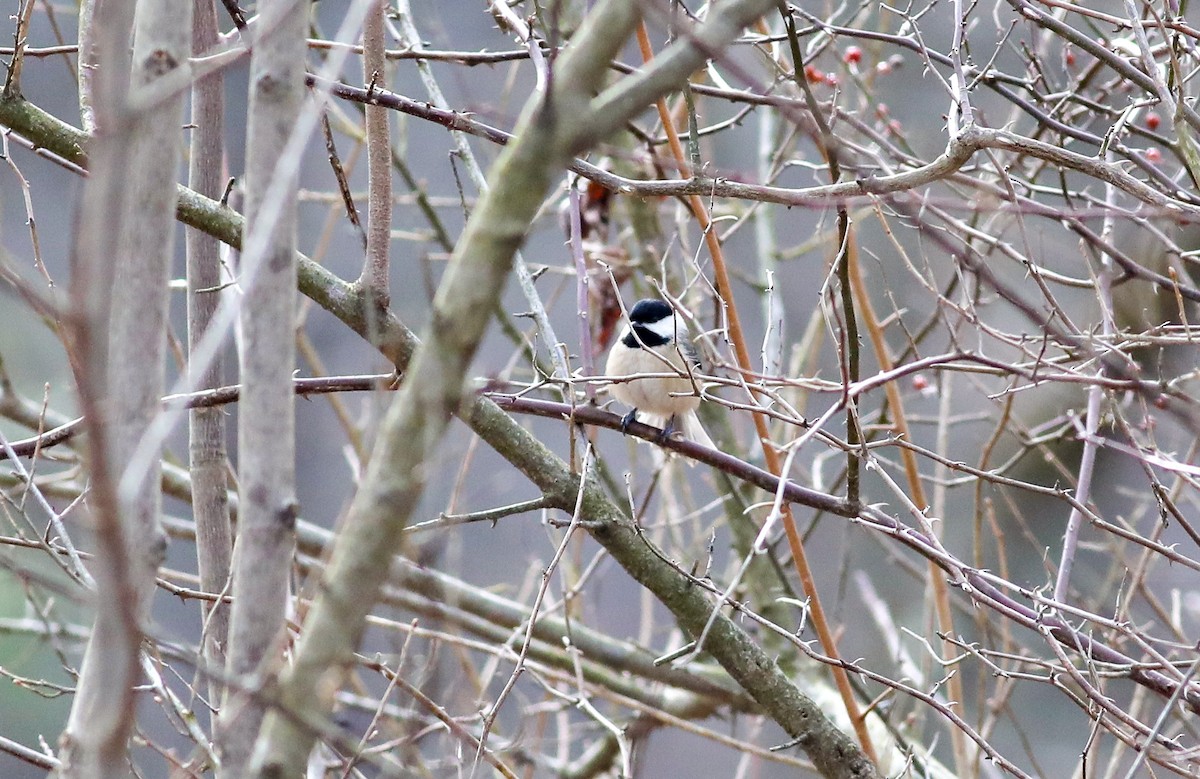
{"x": 651, "y": 343}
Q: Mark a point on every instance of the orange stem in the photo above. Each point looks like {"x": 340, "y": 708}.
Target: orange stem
{"x": 941, "y": 591}
{"x": 770, "y": 455}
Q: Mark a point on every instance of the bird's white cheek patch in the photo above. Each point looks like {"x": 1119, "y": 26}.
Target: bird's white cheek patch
{"x": 664, "y": 328}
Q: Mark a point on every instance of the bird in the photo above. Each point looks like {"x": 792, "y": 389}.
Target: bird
{"x": 652, "y": 343}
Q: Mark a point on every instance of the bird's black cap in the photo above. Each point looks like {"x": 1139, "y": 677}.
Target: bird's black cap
{"x": 649, "y": 311}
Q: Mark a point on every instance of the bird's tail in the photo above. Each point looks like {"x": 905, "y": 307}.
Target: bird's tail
{"x": 686, "y": 425}
{"x": 693, "y": 430}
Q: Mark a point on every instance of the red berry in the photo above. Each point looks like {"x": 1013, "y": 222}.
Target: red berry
{"x": 1152, "y": 121}
{"x": 1070, "y": 57}
{"x": 1161, "y": 402}
{"x": 853, "y": 55}
{"x": 1153, "y": 155}
{"x": 813, "y": 75}
{"x": 920, "y": 383}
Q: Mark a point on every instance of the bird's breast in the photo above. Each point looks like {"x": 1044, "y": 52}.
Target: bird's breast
{"x": 660, "y": 395}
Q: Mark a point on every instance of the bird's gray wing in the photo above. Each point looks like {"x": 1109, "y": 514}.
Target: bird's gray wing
{"x": 690, "y": 354}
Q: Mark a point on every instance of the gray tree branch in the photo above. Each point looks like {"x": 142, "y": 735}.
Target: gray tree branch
{"x": 206, "y": 426}
{"x": 134, "y": 204}
{"x": 266, "y": 426}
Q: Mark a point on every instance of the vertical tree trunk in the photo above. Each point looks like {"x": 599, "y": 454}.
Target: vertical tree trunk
{"x": 143, "y": 221}
{"x": 206, "y": 431}
{"x": 266, "y": 425}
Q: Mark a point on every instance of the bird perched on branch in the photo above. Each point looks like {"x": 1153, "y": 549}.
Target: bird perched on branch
{"x": 654, "y": 344}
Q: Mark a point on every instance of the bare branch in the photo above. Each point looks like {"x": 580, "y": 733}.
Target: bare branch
{"x": 266, "y": 427}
